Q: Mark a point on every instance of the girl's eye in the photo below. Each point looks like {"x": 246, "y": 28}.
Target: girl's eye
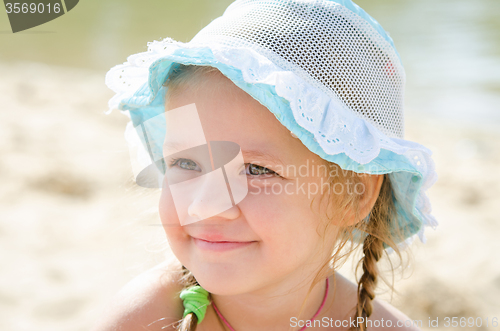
{"x": 185, "y": 164}
{"x": 257, "y": 170}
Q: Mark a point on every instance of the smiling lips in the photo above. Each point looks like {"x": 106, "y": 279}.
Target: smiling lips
{"x": 220, "y": 245}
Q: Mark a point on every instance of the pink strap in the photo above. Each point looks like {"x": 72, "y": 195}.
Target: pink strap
{"x": 305, "y": 327}
{"x": 222, "y": 317}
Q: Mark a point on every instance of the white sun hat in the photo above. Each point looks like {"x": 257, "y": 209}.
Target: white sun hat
{"x": 327, "y": 71}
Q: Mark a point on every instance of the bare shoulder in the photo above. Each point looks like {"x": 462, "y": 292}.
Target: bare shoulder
{"x": 149, "y": 302}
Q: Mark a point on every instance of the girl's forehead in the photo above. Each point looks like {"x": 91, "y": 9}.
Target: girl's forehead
{"x": 227, "y": 113}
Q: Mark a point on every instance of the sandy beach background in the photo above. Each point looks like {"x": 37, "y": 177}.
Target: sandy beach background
{"x": 74, "y": 228}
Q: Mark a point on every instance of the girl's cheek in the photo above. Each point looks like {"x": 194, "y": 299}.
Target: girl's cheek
{"x": 168, "y": 213}
{"x": 175, "y": 233}
{"x": 263, "y": 214}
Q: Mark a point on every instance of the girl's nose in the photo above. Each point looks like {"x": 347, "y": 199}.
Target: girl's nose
{"x": 195, "y": 210}
{"x": 212, "y": 197}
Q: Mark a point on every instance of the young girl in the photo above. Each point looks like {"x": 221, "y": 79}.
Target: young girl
{"x": 276, "y": 136}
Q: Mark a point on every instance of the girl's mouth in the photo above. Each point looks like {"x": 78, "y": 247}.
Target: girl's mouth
{"x": 220, "y": 246}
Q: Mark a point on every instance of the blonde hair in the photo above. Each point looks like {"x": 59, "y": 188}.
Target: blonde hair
{"x": 381, "y": 228}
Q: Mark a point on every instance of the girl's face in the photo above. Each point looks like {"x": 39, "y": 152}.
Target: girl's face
{"x": 275, "y": 233}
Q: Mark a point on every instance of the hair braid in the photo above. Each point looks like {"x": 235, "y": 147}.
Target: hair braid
{"x": 190, "y": 322}
{"x": 372, "y": 249}
{"x": 378, "y": 226}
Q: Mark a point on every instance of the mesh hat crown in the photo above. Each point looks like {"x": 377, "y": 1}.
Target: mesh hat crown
{"x": 324, "y": 68}
{"x": 326, "y": 44}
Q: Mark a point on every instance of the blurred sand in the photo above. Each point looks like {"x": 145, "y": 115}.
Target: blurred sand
{"x": 74, "y": 228}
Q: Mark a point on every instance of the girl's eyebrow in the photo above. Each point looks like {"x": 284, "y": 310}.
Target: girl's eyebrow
{"x": 247, "y": 154}
{"x": 261, "y": 156}
{"x": 178, "y": 145}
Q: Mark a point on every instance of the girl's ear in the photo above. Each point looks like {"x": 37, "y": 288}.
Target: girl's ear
{"x": 366, "y": 200}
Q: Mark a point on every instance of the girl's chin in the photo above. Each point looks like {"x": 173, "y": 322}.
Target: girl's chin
{"x": 219, "y": 282}
{"x": 224, "y": 288}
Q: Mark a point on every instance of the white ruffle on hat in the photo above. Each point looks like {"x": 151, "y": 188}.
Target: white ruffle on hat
{"x": 324, "y": 68}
